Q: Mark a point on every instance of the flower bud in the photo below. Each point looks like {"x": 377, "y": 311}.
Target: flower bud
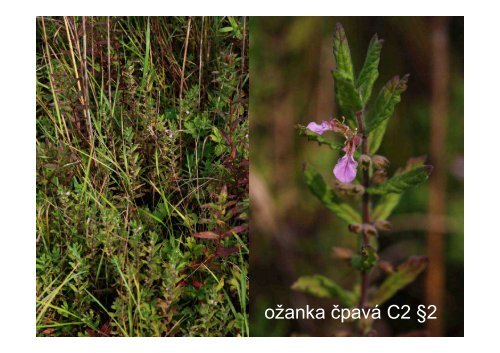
{"x": 380, "y": 162}
{"x": 383, "y": 225}
{"x": 355, "y": 228}
{"x": 342, "y": 253}
{"x": 369, "y": 230}
{"x": 365, "y": 161}
{"x": 358, "y": 189}
{"x": 379, "y": 177}
{"x": 348, "y": 188}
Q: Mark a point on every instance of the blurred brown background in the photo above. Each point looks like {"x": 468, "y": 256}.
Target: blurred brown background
{"x": 292, "y": 232}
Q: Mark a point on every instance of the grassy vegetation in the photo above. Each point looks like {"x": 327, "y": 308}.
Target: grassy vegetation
{"x": 142, "y": 176}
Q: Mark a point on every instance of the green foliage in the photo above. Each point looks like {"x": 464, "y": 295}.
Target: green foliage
{"x": 405, "y": 274}
{"x": 389, "y": 96}
{"x": 353, "y": 97}
{"x": 342, "y": 53}
{"x": 235, "y": 27}
{"x": 369, "y": 72}
{"x": 385, "y": 205}
{"x": 388, "y": 202}
{"x": 323, "y": 287}
{"x": 126, "y": 166}
{"x": 347, "y": 94}
{"x": 402, "y": 182}
{"x": 327, "y": 196}
{"x": 383, "y": 109}
{"x": 375, "y": 137}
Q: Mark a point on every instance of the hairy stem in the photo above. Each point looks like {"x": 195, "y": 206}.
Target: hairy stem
{"x": 365, "y": 205}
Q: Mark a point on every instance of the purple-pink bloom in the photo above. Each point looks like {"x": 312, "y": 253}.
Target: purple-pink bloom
{"x": 345, "y": 169}
{"x": 320, "y": 128}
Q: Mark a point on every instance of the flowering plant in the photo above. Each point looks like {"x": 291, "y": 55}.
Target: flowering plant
{"x": 362, "y": 129}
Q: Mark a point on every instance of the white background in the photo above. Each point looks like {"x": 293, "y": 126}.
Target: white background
{"x": 17, "y": 173}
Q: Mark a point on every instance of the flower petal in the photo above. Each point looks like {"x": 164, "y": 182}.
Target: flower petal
{"x": 319, "y": 128}
{"x": 345, "y": 169}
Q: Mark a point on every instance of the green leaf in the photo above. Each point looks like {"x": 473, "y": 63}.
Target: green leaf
{"x": 226, "y": 29}
{"x": 366, "y": 260}
{"x": 233, "y": 22}
{"x": 388, "y": 202}
{"x": 347, "y": 94}
{"x": 322, "y": 287}
{"x": 389, "y": 96}
{"x": 312, "y": 136}
{"x": 375, "y": 137}
{"x": 400, "y": 183}
{"x": 342, "y": 54}
{"x": 328, "y": 197}
{"x": 369, "y": 72}
{"x": 404, "y": 275}
{"x": 385, "y": 206}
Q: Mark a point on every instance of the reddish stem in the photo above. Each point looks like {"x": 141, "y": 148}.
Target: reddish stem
{"x": 365, "y": 206}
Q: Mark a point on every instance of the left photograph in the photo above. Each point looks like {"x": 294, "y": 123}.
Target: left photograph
{"x": 142, "y": 158}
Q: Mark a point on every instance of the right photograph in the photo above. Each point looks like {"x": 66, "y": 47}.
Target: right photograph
{"x": 357, "y": 176}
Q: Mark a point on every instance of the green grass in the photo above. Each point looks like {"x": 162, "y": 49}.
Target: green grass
{"x": 142, "y": 143}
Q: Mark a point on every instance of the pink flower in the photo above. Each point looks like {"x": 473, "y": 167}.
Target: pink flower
{"x": 320, "y": 128}
{"x": 346, "y": 167}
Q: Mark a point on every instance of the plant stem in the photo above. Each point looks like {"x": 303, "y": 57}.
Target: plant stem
{"x": 365, "y": 205}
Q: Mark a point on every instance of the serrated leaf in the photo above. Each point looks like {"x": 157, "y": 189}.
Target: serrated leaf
{"x": 369, "y": 72}
{"x": 312, "y": 136}
{"x": 400, "y": 183}
{"x": 346, "y": 93}
{"x": 386, "y": 101}
{"x": 327, "y": 196}
{"x": 388, "y": 202}
{"x": 322, "y": 287}
{"x": 405, "y": 274}
{"x": 342, "y": 53}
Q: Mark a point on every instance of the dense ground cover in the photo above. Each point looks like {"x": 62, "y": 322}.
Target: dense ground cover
{"x": 142, "y": 176}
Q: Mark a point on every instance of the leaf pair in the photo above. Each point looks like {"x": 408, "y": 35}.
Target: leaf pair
{"x": 323, "y": 287}
{"x": 353, "y": 93}
{"x": 412, "y": 175}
